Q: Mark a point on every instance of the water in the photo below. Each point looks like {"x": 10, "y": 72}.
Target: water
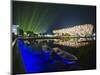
{"x": 51, "y": 55}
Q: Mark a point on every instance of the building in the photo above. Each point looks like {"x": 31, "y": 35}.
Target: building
{"x": 78, "y": 30}
{"x": 14, "y": 29}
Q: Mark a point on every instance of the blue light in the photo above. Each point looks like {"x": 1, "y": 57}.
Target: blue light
{"x": 38, "y": 61}
{"x": 32, "y": 61}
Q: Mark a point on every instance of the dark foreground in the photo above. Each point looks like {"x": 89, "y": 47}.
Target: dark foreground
{"x": 31, "y": 56}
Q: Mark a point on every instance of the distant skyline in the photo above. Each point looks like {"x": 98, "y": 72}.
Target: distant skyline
{"x": 45, "y": 17}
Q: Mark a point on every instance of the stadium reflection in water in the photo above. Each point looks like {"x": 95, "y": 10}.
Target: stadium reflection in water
{"x": 50, "y": 55}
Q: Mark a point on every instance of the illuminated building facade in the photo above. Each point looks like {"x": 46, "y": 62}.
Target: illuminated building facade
{"x": 79, "y": 30}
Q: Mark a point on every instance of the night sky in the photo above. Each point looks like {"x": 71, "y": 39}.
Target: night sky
{"x": 44, "y": 17}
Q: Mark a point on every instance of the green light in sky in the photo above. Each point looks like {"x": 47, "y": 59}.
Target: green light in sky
{"x": 35, "y": 18}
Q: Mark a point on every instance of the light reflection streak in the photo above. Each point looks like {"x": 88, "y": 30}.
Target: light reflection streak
{"x": 72, "y": 42}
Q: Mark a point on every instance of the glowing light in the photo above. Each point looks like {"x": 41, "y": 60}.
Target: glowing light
{"x": 48, "y": 35}
{"x": 37, "y": 61}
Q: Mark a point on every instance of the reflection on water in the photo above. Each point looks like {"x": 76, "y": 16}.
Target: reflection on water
{"x": 58, "y": 54}
{"x": 73, "y": 42}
